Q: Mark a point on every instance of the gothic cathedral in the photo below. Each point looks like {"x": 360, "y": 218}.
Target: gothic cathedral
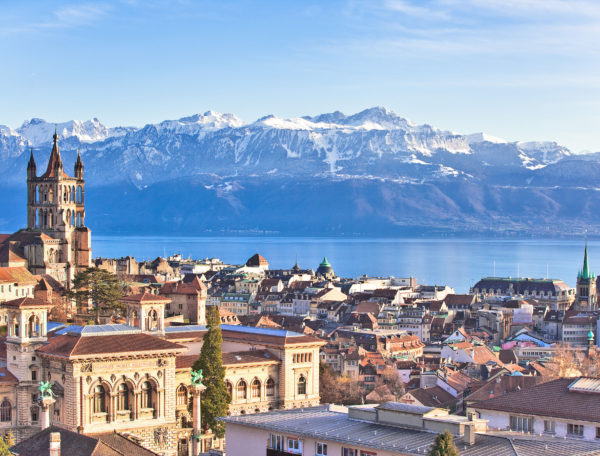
{"x": 56, "y": 241}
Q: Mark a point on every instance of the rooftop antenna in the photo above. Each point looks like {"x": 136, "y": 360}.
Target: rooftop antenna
{"x": 547, "y": 273}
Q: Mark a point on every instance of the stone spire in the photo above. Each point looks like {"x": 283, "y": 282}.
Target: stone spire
{"x": 79, "y": 166}
{"x": 31, "y": 168}
{"x": 55, "y": 166}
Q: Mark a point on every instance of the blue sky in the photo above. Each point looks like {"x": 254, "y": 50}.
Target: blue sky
{"x": 517, "y": 69}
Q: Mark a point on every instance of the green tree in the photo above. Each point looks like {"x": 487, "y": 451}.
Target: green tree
{"x": 215, "y": 399}
{"x": 99, "y": 286}
{"x": 443, "y": 446}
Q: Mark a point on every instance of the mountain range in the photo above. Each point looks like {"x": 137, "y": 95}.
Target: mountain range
{"x": 371, "y": 173}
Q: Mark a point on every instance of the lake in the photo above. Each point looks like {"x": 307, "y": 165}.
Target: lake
{"x": 455, "y": 262}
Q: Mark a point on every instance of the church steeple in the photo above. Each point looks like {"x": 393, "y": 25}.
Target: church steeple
{"x": 586, "y": 297}
{"x": 55, "y": 165}
{"x": 585, "y": 272}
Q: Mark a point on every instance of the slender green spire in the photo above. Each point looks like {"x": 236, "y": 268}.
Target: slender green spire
{"x": 585, "y": 272}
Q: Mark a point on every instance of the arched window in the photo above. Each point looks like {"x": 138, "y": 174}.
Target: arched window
{"x": 51, "y": 195}
{"x": 148, "y": 393}
{"x": 79, "y": 219}
{"x": 302, "y": 385}
{"x": 182, "y": 395}
{"x": 5, "y": 411}
{"x": 123, "y": 397}
{"x": 255, "y": 388}
{"x": 73, "y": 218}
{"x": 270, "y": 388}
{"x": 99, "y": 399}
{"x": 152, "y": 320}
{"x": 229, "y": 389}
{"x": 79, "y": 195}
{"x": 242, "y": 390}
{"x": 33, "y": 326}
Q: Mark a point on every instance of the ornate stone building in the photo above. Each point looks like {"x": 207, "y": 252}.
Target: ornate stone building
{"x": 56, "y": 241}
{"x": 135, "y": 378}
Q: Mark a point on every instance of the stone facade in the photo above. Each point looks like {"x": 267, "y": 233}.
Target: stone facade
{"x": 56, "y": 241}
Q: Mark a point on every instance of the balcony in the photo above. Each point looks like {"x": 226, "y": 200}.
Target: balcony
{"x": 272, "y": 452}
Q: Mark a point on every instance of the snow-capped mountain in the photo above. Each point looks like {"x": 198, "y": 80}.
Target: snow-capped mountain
{"x": 375, "y": 147}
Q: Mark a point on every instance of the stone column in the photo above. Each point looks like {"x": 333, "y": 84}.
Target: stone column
{"x": 196, "y": 391}
{"x": 45, "y": 404}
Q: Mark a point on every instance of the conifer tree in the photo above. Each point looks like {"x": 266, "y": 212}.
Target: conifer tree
{"x": 215, "y": 399}
{"x": 443, "y": 446}
{"x": 101, "y": 287}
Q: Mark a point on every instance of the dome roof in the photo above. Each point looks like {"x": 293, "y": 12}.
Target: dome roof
{"x": 324, "y": 263}
{"x": 257, "y": 260}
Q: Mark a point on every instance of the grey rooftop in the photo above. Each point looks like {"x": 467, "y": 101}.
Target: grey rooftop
{"x": 327, "y": 424}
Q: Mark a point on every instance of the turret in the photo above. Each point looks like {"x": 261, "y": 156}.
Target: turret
{"x": 78, "y": 167}
{"x": 31, "y": 168}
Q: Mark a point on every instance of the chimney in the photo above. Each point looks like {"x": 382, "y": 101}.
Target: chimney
{"x": 54, "y": 444}
{"x": 469, "y": 437}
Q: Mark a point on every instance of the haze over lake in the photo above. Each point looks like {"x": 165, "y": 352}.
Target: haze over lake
{"x": 455, "y": 262}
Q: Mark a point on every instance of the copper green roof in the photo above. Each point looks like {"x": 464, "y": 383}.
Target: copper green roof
{"x": 325, "y": 263}
{"x": 590, "y": 335}
{"x": 585, "y": 272}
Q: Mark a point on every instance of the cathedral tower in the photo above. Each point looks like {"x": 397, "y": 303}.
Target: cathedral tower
{"x": 586, "y": 286}
{"x": 56, "y": 209}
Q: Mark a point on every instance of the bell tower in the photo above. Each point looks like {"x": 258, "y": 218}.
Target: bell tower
{"x": 586, "y": 298}
{"x": 56, "y": 208}
{"x": 27, "y": 321}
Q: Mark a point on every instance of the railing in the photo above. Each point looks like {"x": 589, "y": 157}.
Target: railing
{"x": 272, "y": 452}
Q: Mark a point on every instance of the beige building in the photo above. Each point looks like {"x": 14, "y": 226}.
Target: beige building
{"x": 135, "y": 378}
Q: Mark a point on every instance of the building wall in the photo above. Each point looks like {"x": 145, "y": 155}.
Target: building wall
{"x": 243, "y": 441}
{"x": 501, "y": 420}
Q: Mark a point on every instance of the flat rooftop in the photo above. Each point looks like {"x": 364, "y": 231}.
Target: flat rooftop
{"x": 333, "y": 424}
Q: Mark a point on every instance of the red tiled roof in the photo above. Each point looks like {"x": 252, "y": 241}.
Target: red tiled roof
{"x": 432, "y": 397}
{"x": 185, "y": 361}
{"x": 257, "y": 260}
{"x": 22, "y": 303}
{"x": 145, "y": 297}
{"x": 88, "y": 346}
{"x": 552, "y": 399}
{"x": 6, "y": 378}
{"x": 500, "y": 386}
{"x": 18, "y": 274}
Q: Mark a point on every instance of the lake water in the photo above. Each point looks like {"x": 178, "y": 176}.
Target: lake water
{"x": 455, "y": 262}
